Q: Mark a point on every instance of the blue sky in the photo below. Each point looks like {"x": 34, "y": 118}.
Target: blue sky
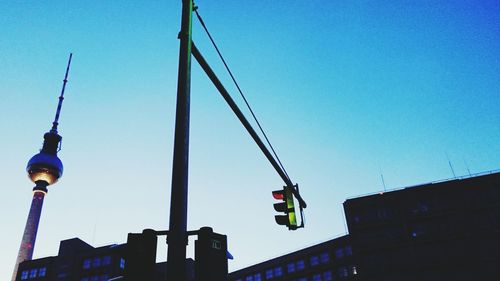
{"x": 346, "y": 90}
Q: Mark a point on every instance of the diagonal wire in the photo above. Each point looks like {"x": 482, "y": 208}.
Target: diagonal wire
{"x": 240, "y": 91}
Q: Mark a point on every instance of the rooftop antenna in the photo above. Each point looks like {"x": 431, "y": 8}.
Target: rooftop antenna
{"x": 383, "y": 181}
{"x": 61, "y": 97}
{"x": 382, "y": 178}
{"x": 451, "y": 166}
{"x": 467, "y": 167}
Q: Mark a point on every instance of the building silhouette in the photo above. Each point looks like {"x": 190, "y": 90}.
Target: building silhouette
{"x": 76, "y": 260}
{"x": 79, "y": 261}
{"x": 440, "y": 231}
{"x": 446, "y": 230}
{"x": 324, "y": 261}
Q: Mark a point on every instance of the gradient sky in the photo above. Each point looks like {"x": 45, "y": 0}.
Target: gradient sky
{"x": 346, "y": 90}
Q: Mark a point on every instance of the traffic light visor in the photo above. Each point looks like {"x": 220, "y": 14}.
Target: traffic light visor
{"x": 280, "y": 207}
{"x": 282, "y": 220}
{"x": 279, "y": 195}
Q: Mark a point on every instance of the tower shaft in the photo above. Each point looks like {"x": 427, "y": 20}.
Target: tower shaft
{"x": 30, "y": 230}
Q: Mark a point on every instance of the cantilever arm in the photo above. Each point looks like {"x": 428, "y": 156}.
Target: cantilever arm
{"x": 210, "y": 73}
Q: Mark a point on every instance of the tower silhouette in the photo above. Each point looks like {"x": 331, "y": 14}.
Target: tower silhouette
{"x": 44, "y": 169}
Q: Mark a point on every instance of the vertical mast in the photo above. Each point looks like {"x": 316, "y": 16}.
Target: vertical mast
{"x": 177, "y": 238}
{"x": 61, "y": 97}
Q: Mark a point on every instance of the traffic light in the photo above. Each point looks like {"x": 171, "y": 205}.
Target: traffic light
{"x": 140, "y": 256}
{"x": 211, "y": 256}
{"x": 287, "y": 206}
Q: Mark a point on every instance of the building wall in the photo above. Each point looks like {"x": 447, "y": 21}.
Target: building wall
{"x": 76, "y": 261}
{"x": 331, "y": 260}
{"x": 442, "y": 231}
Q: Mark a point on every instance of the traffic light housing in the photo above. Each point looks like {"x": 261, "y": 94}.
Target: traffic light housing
{"x": 140, "y": 256}
{"x": 211, "y": 256}
{"x": 287, "y": 206}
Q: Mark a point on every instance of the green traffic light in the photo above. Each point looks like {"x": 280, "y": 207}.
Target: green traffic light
{"x": 292, "y": 219}
{"x": 287, "y": 206}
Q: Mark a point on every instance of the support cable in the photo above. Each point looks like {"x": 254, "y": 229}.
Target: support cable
{"x": 241, "y": 92}
{"x": 211, "y": 75}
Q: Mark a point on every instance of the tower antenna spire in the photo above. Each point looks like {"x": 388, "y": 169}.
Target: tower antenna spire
{"x": 61, "y": 97}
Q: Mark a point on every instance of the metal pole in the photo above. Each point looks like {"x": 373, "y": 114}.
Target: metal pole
{"x": 210, "y": 73}
{"x": 177, "y": 238}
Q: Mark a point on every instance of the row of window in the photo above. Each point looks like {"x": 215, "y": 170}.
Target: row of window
{"x": 342, "y": 272}
{"x": 343, "y": 252}
{"x": 33, "y": 273}
{"x": 295, "y": 266}
{"x": 382, "y": 214}
{"x": 96, "y": 262}
{"x": 299, "y": 265}
{"x": 103, "y": 277}
{"x": 100, "y": 261}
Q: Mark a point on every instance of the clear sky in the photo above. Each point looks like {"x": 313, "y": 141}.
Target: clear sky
{"x": 346, "y": 90}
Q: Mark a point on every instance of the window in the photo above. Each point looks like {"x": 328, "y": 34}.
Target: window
{"x": 348, "y": 250}
{"x": 256, "y": 277}
{"x": 42, "y": 272}
{"x": 343, "y": 272}
{"x": 249, "y": 278}
{"x": 24, "y": 275}
{"x": 278, "y": 271}
{"x": 339, "y": 253}
{"x": 33, "y": 273}
{"x": 300, "y": 264}
{"x": 419, "y": 231}
{"x": 314, "y": 260}
{"x": 324, "y": 258}
{"x": 269, "y": 274}
{"x": 106, "y": 260}
{"x": 357, "y": 219}
{"x": 317, "y": 277}
{"x": 383, "y": 214}
{"x": 94, "y": 278}
{"x": 420, "y": 207}
{"x": 122, "y": 263}
{"x": 291, "y": 267}
{"x": 327, "y": 275}
{"x": 86, "y": 264}
{"x": 104, "y": 277}
{"x": 96, "y": 262}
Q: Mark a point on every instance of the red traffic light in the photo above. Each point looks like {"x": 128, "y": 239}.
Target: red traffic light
{"x": 279, "y": 195}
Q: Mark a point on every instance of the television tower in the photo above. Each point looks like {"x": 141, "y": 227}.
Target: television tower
{"x": 44, "y": 169}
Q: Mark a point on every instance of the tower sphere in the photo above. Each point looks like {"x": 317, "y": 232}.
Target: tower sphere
{"x": 44, "y": 167}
